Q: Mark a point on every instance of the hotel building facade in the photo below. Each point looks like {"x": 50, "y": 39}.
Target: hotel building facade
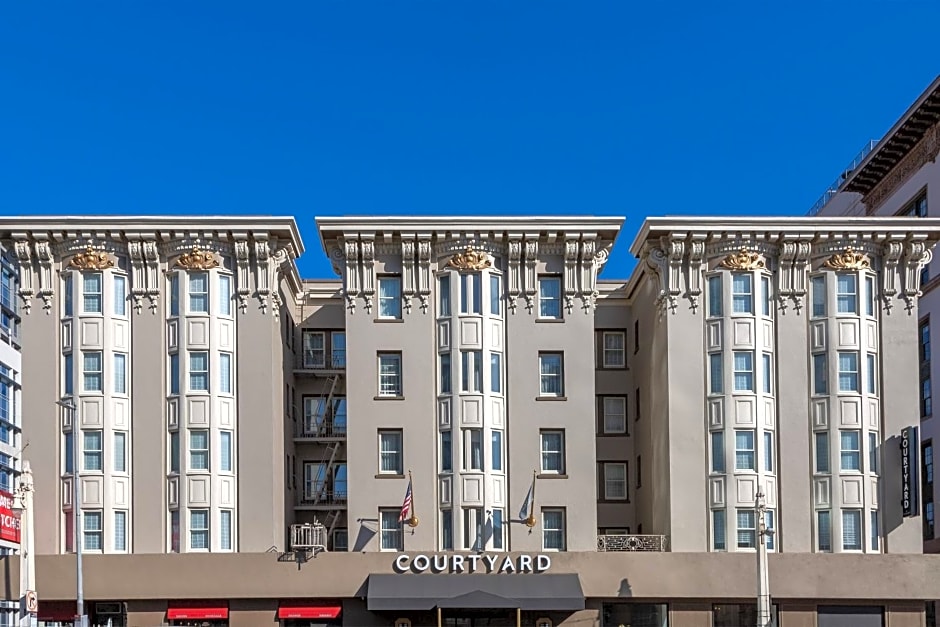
{"x": 575, "y": 451}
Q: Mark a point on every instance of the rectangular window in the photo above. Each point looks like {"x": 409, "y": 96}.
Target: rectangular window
{"x": 174, "y": 294}
{"x": 850, "y": 453}
{"x": 715, "y": 382}
{"x": 615, "y": 482}
{"x": 744, "y": 450}
{"x": 120, "y": 451}
{"x": 447, "y": 452}
{"x": 225, "y": 295}
{"x": 447, "y": 530}
{"x": 928, "y": 462}
{"x": 67, "y": 295}
{"x": 120, "y": 295}
{"x": 765, "y": 295}
{"x": 473, "y": 528}
{"x": 338, "y": 349}
{"x": 768, "y": 374}
{"x": 174, "y": 451}
{"x": 553, "y": 530}
{"x": 91, "y": 450}
{"x": 473, "y": 449}
{"x": 390, "y": 297}
{"x": 69, "y": 449}
{"x": 470, "y": 297}
{"x": 120, "y": 373}
{"x": 768, "y": 451}
{"x": 615, "y": 414}
{"x": 851, "y": 530}
{"x": 175, "y": 531}
{"x": 769, "y": 523}
{"x": 225, "y": 451}
{"x": 443, "y": 295}
{"x": 390, "y": 374}
{"x": 198, "y": 529}
{"x": 225, "y": 530}
{"x": 497, "y": 452}
{"x": 743, "y": 371}
{"x": 314, "y": 347}
{"x": 747, "y": 529}
{"x": 875, "y": 535}
{"x": 91, "y": 372}
{"x": 391, "y": 452}
{"x": 848, "y": 372}
{"x": 719, "y": 530}
{"x": 871, "y": 375}
{"x": 636, "y": 337}
{"x": 91, "y": 292}
{"x": 714, "y": 296}
{"x": 872, "y": 452}
{"x": 614, "y": 349}
{"x": 199, "y": 450}
{"x": 498, "y": 532}
{"x": 496, "y": 373}
{"x": 471, "y": 371}
{"x": 822, "y": 452}
{"x": 820, "y": 374}
{"x": 495, "y": 294}
{"x": 91, "y": 531}
{"x": 846, "y": 294}
{"x": 870, "y": 296}
{"x": 553, "y": 452}
{"x": 199, "y": 371}
{"x": 120, "y": 531}
{"x": 225, "y": 373}
{"x": 390, "y": 530}
{"x": 742, "y": 294}
{"x": 445, "y": 373}
{"x": 198, "y": 292}
{"x": 718, "y": 451}
{"x": 550, "y": 297}
{"x": 824, "y": 531}
{"x": 551, "y": 374}
{"x": 818, "y": 289}
{"x": 174, "y": 373}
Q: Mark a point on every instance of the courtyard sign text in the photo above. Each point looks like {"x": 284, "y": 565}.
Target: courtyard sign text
{"x": 475, "y": 563}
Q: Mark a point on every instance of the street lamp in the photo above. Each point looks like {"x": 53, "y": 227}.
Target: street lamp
{"x": 80, "y": 619}
{"x": 764, "y": 613}
{"x": 23, "y": 506}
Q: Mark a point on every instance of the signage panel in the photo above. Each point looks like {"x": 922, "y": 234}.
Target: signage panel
{"x": 9, "y": 521}
{"x": 910, "y": 472}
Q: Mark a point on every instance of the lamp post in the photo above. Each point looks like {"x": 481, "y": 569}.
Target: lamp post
{"x": 81, "y": 620}
{"x": 764, "y": 613}
{"x": 23, "y": 505}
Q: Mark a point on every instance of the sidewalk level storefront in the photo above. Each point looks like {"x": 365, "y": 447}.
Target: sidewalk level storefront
{"x": 476, "y": 590}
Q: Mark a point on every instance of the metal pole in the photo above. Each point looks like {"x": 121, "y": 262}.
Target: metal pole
{"x": 764, "y": 615}
{"x": 80, "y": 619}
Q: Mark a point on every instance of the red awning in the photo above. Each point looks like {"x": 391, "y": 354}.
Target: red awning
{"x": 193, "y": 613}
{"x": 311, "y": 611}
{"x": 57, "y": 611}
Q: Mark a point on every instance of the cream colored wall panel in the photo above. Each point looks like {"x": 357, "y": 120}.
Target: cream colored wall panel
{"x": 873, "y": 414}
{"x": 444, "y": 411}
{"x": 848, "y": 334}
{"x": 850, "y": 412}
{"x": 818, "y": 335}
{"x": 820, "y": 408}
{"x": 91, "y": 491}
{"x": 716, "y": 412}
{"x": 851, "y": 491}
{"x": 497, "y": 407}
{"x": 173, "y": 412}
{"x": 173, "y": 491}
{"x": 197, "y": 332}
{"x": 496, "y": 496}
{"x": 716, "y": 491}
{"x": 744, "y": 411}
{"x": 67, "y": 492}
{"x": 770, "y": 490}
{"x": 91, "y": 412}
{"x": 198, "y": 491}
{"x": 822, "y": 496}
{"x": 742, "y": 333}
{"x": 770, "y": 412}
{"x": 198, "y": 411}
{"x": 172, "y": 334}
{"x": 446, "y": 489}
{"x": 119, "y": 411}
{"x": 745, "y": 490}
{"x": 496, "y": 335}
{"x": 119, "y": 335}
{"x": 226, "y": 492}
{"x": 91, "y": 333}
{"x": 713, "y": 335}
{"x": 767, "y": 341}
{"x": 67, "y": 335}
{"x": 226, "y": 334}
{"x": 443, "y": 334}
{"x": 471, "y": 410}
{"x": 471, "y": 335}
{"x": 471, "y": 489}
{"x": 871, "y": 333}
{"x": 226, "y": 412}
{"x": 119, "y": 492}
{"x": 873, "y": 495}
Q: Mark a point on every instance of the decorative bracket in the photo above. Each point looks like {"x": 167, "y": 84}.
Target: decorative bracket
{"x": 25, "y": 263}
{"x": 696, "y": 257}
{"x": 351, "y": 246}
{"x": 262, "y": 276}
{"x": 138, "y": 287}
{"x": 367, "y": 247}
{"x": 531, "y": 279}
{"x": 916, "y": 257}
{"x": 151, "y": 256}
{"x": 424, "y": 271}
{"x": 514, "y": 266}
{"x": 892, "y": 258}
{"x": 46, "y": 290}
{"x": 242, "y": 273}
{"x": 407, "y": 271}
{"x": 571, "y": 272}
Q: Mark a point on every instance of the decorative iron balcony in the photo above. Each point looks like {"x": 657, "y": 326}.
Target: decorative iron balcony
{"x": 335, "y": 494}
{"x": 630, "y": 542}
{"x": 308, "y": 537}
{"x": 319, "y": 359}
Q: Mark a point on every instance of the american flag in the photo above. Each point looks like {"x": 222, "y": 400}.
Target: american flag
{"x": 406, "y": 505}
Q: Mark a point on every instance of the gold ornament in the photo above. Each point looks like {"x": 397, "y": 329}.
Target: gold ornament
{"x": 849, "y": 259}
{"x": 744, "y": 260}
{"x": 198, "y": 259}
{"x": 92, "y": 260}
{"x": 413, "y": 521}
{"x": 470, "y": 260}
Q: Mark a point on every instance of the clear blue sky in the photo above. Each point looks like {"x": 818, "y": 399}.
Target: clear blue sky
{"x": 328, "y": 107}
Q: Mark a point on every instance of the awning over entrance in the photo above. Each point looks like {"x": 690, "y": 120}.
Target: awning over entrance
{"x": 308, "y": 611}
{"x": 197, "y": 613}
{"x": 426, "y": 592}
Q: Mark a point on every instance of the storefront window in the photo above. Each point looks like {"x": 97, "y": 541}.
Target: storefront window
{"x": 635, "y": 615}
{"x": 738, "y": 615}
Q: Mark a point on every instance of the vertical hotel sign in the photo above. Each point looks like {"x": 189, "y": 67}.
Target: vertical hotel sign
{"x": 9, "y": 521}
{"x": 910, "y": 469}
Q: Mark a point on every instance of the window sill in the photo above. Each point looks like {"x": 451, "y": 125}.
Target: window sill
{"x": 388, "y": 398}
{"x": 614, "y": 502}
{"x": 389, "y": 476}
{"x": 615, "y": 368}
{"x": 549, "y": 320}
{"x": 551, "y": 398}
{"x": 551, "y": 476}
{"x": 388, "y": 320}
{"x": 613, "y": 434}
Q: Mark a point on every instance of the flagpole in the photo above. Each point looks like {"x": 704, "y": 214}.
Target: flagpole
{"x": 530, "y": 520}
{"x": 413, "y": 520}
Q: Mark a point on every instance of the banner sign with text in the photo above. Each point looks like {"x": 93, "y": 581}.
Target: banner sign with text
{"x": 9, "y": 521}
{"x": 910, "y": 472}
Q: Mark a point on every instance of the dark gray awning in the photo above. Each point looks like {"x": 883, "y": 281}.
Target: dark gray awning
{"x": 470, "y": 591}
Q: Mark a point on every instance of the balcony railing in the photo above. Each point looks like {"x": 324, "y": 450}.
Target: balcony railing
{"x": 328, "y": 495}
{"x": 834, "y": 187}
{"x": 308, "y": 537}
{"x": 627, "y": 542}
{"x": 318, "y": 359}
{"x": 312, "y": 429}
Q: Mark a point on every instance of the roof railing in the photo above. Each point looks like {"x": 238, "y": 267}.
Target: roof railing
{"x": 834, "y": 187}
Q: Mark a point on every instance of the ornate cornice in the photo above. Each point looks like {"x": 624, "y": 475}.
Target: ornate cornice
{"x": 849, "y": 259}
{"x": 197, "y": 259}
{"x": 470, "y": 260}
{"x": 92, "y": 260}
{"x": 924, "y": 152}
{"x": 744, "y": 259}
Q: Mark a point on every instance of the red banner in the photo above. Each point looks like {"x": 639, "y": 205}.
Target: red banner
{"x": 9, "y": 521}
